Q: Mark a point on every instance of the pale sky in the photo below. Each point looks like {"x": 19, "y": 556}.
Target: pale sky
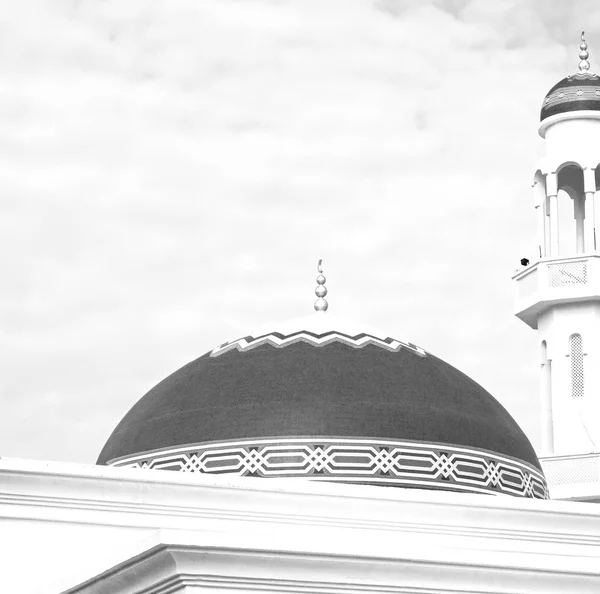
{"x": 171, "y": 171}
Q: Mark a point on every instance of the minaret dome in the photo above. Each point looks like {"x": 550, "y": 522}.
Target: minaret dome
{"x": 576, "y": 96}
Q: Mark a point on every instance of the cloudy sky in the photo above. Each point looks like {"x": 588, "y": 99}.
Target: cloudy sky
{"x": 170, "y": 172}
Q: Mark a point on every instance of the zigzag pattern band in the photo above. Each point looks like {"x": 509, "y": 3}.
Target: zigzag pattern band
{"x": 279, "y": 341}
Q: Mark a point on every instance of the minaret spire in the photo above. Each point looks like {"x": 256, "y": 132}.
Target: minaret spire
{"x": 321, "y": 290}
{"x": 584, "y": 65}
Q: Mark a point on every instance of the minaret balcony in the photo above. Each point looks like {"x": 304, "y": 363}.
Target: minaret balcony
{"x": 552, "y": 281}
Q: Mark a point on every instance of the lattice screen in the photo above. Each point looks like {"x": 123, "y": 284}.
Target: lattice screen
{"x": 567, "y": 273}
{"x": 573, "y": 470}
{"x": 577, "y": 385}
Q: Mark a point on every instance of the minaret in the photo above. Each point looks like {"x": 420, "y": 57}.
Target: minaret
{"x": 559, "y": 291}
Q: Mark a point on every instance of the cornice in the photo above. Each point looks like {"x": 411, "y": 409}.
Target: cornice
{"x": 581, "y": 114}
{"x": 156, "y": 515}
{"x": 295, "y": 586}
{"x": 161, "y": 499}
{"x": 167, "y": 568}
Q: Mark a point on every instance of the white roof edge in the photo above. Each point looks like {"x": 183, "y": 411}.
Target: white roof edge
{"x": 53, "y": 476}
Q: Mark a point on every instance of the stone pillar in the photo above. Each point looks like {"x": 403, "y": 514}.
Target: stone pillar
{"x": 547, "y": 420}
{"x": 589, "y": 185}
{"x": 589, "y": 222}
{"x": 541, "y": 231}
{"x": 552, "y": 214}
{"x": 579, "y": 205}
{"x": 554, "y": 243}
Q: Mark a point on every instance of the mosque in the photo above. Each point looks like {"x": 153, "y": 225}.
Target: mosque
{"x": 323, "y": 456}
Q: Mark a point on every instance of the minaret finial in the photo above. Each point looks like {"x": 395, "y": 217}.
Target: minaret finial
{"x": 584, "y": 65}
{"x": 321, "y": 290}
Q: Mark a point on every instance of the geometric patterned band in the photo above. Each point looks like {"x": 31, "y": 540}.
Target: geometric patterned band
{"x": 354, "y": 460}
{"x": 567, "y": 95}
{"x": 580, "y": 90}
{"x": 277, "y": 340}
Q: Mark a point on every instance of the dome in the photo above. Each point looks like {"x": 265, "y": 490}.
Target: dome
{"x": 579, "y": 91}
{"x": 328, "y": 400}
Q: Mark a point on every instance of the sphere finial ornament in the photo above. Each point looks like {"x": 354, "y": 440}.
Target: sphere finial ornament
{"x": 584, "y": 65}
{"x": 321, "y": 290}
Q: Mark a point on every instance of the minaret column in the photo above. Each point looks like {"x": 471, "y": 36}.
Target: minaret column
{"x": 579, "y": 208}
{"x": 589, "y": 183}
{"x": 539, "y": 202}
{"x": 552, "y": 192}
{"x": 541, "y": 231}
{"x": 546, "y": 386}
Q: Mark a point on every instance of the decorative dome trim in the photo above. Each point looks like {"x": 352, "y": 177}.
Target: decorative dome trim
{"x": 278, "y": 340}
{"x": 353, "y": 460}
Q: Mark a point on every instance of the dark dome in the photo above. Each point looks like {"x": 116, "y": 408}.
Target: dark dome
{"x": 579, "y": 91}
{"x": 328, "y": 405}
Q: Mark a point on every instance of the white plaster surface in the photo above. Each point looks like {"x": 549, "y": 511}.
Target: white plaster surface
{"x": 64, "y": 525}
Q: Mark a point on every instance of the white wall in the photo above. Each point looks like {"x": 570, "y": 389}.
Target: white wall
{"x": 573, "y": 140}
{"x": 576, "y": 421}
{"x": 62, "y": 524}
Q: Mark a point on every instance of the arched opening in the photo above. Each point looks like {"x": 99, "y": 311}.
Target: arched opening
{"x": 547, "y": 421}
{"x": 577, "y": 375}
{"x": 570, "y": 210}
{"x": 567, "y": 225}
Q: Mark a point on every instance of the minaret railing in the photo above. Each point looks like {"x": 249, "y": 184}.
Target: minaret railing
{"x": 555, "y": 280}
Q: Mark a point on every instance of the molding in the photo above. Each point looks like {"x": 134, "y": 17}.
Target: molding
{"x": 180, "y": 581}
{"x": 154, "y": 515}
{"x": 71, "y": 493}
{"x": 166, "y": 568}
{"x": 580, "y": 114}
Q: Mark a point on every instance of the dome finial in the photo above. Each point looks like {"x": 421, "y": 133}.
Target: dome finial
{"x": 584, "y": 65}
{"x": 321, "y": 290}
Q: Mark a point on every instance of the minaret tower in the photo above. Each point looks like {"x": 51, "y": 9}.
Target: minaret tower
{"x": 559, "y": 291}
